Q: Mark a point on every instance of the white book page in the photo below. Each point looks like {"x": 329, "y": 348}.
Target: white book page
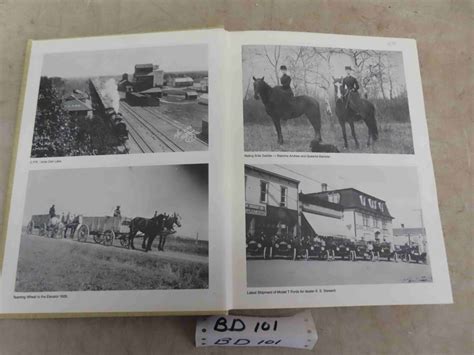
{"x": 364, "y": 222}
{"x": 164, "y": 166}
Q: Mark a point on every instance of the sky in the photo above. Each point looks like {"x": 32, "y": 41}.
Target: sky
{"x": 397, "y": 186}
{"x": 138, "y": 190}
{"x": 258, "y": 65}
{"x": 119, "y": 61}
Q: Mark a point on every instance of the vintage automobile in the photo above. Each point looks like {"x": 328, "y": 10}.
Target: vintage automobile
{"x": 362, "y": 250}
{"x": 337, "y": 247}
{"x": 415, "y": 254}
{"x": 314, "y": 248}
{"x": 343, "y": 247}
{"x": 384, "y": 250}
{"x": 284, "y": 247}
{"x": 255, "y": 247}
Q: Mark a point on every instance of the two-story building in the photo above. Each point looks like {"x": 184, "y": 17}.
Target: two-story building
{"x": 363, "y": 216}
{"x": 271, "y": 203}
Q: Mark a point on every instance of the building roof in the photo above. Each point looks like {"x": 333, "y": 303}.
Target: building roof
{"x": 353, "y": 198}
{"x": 151, "y": 91}
{"x": 144, "y": 66}
{"x": 74, "y": 104}
{"x": 183, "y": 79}
{"x": 263, "y": 171}
{"x": 124, "y": 82}
{"x": 315, "y": 200}
{"x": 401, "y": 232}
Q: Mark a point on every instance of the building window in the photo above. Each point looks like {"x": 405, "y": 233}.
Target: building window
{"x": 334, "y": 197}
{"x": 283, "y": 196}
{"x": 374, "y": 221}
{"x": 263, "y": 191}
{"x": 365, "y": 220}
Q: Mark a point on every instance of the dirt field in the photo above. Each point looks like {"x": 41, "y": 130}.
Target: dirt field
{"x": 394, "y": 137}
{"x": 281, "y": 273}
{"x": 63, "y": 265}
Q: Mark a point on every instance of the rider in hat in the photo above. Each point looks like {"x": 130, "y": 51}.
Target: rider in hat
{"x": 285, "y": 80}
{"x": 350, "y": 85}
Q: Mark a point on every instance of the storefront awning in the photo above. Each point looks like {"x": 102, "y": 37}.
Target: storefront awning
{"x": 328, "y": 226}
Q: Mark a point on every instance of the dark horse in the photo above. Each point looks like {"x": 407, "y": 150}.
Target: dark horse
{"x": 355, "y": 110}
{"x": 150, "y": 227}
{"x": 167, "y": 225}
{"x": 281, "y": 106}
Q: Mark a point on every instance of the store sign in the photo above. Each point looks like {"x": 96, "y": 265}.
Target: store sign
{"x": 257, "y": 210}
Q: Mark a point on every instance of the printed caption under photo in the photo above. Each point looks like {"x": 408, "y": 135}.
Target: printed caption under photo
{"x": 291, "y": 291}
{"x": 39, "y": 297}
{"x": 283, "y": 155}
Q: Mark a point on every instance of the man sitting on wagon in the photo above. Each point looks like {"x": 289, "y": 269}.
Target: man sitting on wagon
{"x": 52, "y": 212}
{"x": 117, "y": 212}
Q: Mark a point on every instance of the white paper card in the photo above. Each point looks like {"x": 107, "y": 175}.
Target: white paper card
{"x": 297, "y": 331}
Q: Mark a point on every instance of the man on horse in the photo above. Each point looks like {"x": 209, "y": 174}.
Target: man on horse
{"x": 351, "y": 87}
{"x": 285, "y": 81}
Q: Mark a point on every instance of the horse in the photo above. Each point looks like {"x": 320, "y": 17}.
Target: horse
{"x": 350, "y": 112}
{"x": 168, "y": 224}
{"x": 279, "y": 105}
{"x": 55, "y": 226}
{"x": 150, "y": 227}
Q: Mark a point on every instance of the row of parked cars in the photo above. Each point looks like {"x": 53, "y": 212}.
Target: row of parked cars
{"x": 330, "y": 248}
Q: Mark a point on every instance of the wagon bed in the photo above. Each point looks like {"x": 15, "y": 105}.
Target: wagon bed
{"x": 104, "y": 230}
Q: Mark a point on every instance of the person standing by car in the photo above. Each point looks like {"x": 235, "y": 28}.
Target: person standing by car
{"x": 370, "y": 250}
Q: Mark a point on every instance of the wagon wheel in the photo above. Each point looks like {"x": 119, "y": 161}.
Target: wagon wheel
{"x": 43, "y": 230}
{"x": 124, "y": 241}
{"x": 108, "y": 237}
{"x": 30, "y": 227}
{"x": 82, "y": 232}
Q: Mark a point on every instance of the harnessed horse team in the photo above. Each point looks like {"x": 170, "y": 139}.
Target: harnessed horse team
{"x": 160, "y": 225}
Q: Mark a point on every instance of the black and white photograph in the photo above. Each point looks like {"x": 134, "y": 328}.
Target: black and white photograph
{"x": 126, "y": 228}
{"x": 120, "y": 101}
{"x": 334, "y": 225}
{"x": 312, "y": 99}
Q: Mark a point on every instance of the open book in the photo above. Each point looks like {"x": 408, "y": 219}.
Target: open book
{"x": 202, "y": 171}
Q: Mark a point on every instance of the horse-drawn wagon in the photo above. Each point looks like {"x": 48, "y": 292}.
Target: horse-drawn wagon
{"x": 45, "y": 225}
{"x": 104, "y": 230}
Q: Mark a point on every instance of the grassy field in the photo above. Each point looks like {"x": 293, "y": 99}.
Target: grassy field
{"x": 395, "y": 135}
{"x": 185, "y": 245}
{"x": 55, "y": 265}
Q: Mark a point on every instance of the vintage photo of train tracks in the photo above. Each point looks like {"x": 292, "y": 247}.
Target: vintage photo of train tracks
{"x": 128, "y": 101}
{"x": 102, "y": 229}
{"x": 334, "y": 225}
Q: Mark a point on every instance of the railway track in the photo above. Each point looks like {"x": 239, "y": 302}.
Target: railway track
{"x": 140, "y": 142}
{"x": 162, "y": 116}
{"x": 156, "y": 134}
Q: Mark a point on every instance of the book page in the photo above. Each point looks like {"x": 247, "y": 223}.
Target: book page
{"x": 335, "y": 198}
{"x": 116, "y": 203}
